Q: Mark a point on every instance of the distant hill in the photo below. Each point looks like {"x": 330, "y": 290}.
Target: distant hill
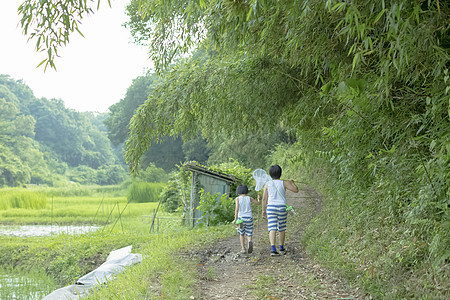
{"x": 43, "y": 142}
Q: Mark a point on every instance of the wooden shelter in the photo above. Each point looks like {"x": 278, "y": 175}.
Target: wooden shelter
{"x": 211, "y": 181}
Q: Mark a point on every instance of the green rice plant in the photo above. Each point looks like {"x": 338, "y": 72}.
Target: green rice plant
{"x": 18, "y": 198}
{"x": 20, "y": 285}
{"x": 82, "y": 210}
{"x": 77, "y": 190}
{"x": 145, "y": 191}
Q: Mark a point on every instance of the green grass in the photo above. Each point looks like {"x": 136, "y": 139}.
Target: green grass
{"x": 78, "y": 210}
{"x": 165, "y": 272}
{"x": 263, "y": 287}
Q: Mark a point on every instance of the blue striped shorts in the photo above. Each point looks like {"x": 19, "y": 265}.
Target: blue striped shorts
{"x": 276, "y": 217}
{"x": 247, "y": 226}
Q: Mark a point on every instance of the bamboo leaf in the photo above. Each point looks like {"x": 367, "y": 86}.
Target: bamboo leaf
{"x": 40, "y": 64}
{"x": 355, "y": 61}
{"x": 378, "y": 17}
{"x": 249, "y": 12}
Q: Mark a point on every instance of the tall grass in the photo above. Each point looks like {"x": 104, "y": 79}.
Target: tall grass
{"x": 145, "y": 191}
{"x": 163, "y": 274}
{"x": 22, "y": 199}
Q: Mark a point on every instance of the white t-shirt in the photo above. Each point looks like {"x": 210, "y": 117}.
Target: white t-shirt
{"x": 276, "y": 192}
{"x": 245, "y": 209}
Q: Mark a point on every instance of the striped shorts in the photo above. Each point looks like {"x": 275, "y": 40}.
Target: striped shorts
{"x": 276, "y": 217}
{"x": 247, "y": 226}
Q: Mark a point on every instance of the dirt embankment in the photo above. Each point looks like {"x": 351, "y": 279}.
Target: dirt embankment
{"x": 226, "y": 274}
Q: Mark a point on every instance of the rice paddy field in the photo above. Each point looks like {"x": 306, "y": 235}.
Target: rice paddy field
{"x": 51, "y": 237}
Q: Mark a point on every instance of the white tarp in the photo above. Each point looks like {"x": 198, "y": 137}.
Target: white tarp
{"x": 116, "y": 262}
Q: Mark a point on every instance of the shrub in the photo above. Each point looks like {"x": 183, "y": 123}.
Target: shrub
{"x": 177, "y": 191}
{"x": 153, "y": 174}
{"x": 217, "y": 208}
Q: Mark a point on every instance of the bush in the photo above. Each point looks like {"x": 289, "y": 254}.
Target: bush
{"x": 217, "y": 208}
{"x": 144, "y": 192}
{"x": 153, "y": 174}
{"x": 177, "y": 191}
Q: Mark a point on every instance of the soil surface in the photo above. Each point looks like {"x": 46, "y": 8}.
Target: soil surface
{"x": 227, "y": 274}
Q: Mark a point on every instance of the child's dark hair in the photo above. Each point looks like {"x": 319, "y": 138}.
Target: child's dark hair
{"x": 275, "y": 172}
{"x": 242, "y": 190}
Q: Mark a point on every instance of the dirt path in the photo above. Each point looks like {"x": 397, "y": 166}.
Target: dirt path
{"x": 226, "y": 274}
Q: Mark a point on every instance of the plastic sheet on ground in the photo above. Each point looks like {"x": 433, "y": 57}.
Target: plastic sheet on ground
{"x": 116, "y": 262}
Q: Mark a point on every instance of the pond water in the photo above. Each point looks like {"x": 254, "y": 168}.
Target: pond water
{"x": 44, "y": 230}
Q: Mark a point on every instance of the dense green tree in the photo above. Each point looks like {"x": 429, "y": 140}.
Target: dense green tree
{"x": 363, "y": 84}
{"x": 21, "y": 160}
{"x": 22, "y": 94}
{"x": 82, "y": 174}
{"x": 165, "y": 154}
{"x": 121, "y": 112}
{"x": 153, "y": 174}
{"x": 15, "y": 141}
{"x": 250, "y": 150}
{"x": 196, "y": 149}
{"x": 70, "y": 134}
{"x": 110, "y": 175}
{"x": 168, "y": 151}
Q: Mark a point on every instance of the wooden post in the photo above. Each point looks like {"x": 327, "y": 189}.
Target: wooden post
{"x": 193, "y": 197}
{"x": 154, "y": 216}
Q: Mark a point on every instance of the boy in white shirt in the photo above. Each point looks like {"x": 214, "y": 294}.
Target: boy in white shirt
{"x": 244, "y": 212}
{"x": 274, "y": 207}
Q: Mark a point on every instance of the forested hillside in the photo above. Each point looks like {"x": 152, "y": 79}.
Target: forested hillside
{"x": 43, "y": 142}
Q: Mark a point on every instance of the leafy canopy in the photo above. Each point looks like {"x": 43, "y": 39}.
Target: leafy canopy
{"x": 50, "y": 23}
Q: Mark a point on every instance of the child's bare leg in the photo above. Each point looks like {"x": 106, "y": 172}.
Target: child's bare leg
{"x": 282, "y": 237}
{"x": 241, "y": 238}
{"x": 272, "y": 237}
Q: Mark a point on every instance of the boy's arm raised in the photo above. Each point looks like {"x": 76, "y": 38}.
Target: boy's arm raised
{"x": 290, "y": 185}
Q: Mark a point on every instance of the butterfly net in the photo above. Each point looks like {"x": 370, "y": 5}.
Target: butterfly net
{"x": 261, "y": 178}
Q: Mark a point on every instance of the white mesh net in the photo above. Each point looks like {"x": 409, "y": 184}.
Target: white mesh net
{"x": 261, "y": 178}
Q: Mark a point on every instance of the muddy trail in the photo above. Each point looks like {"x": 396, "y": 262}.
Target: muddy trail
{"x": 227, "y": 274}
